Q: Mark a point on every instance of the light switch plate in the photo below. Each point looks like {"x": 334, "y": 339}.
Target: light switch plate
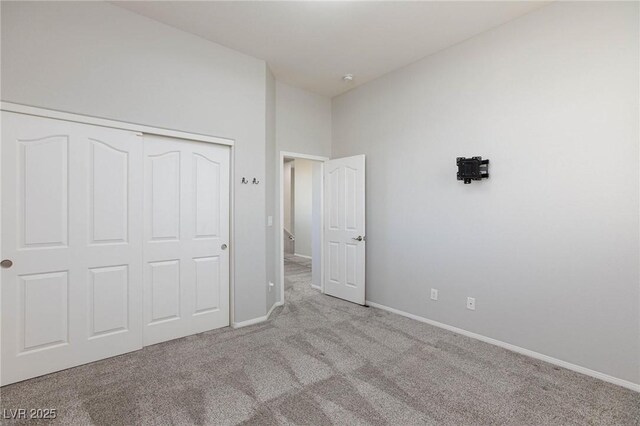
{"x": 269, "y": 220}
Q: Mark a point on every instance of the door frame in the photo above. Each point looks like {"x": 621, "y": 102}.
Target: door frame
{"x": 279, "y": 192}
{"x": 142, "y": 129}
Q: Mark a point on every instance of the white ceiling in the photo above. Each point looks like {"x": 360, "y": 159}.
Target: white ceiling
{"x": 311, "y": 45}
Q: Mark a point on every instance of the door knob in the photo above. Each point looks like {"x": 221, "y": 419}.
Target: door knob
{"x": 223, "y": 247}
{"x": 6, "y": 263}
{"x": 359, "y": 238}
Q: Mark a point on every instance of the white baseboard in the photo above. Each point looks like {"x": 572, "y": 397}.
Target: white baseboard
{"x": 256, "y": 320}
{"x": 275, "y": 305}
{"x": 317, "y": 287}
{"x": 598, "y": 375}
{"x": 302, "y": 255}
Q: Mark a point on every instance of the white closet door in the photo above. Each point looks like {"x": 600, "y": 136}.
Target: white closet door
{"x": 72, "y": 226}
{"x": 186, "y": 234}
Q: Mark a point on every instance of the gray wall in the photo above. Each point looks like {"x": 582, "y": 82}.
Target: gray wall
{"x": 303, "y": 205}
{"x": 270, "y": 186}
{"x": 288, "y": 189}
{"x": 303, "y": 121}
{"x": 548, "y": 245}
{"x": 97, "y": 59}
{"x": 316, "y": 230}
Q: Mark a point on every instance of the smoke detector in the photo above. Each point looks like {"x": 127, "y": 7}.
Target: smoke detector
{"x": 347, "y": 77}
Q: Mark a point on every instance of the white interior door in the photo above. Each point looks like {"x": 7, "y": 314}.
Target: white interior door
{"x": 71, "y": 226}
{"x": 344, "y": 233}
{"x": 186, "y": 265}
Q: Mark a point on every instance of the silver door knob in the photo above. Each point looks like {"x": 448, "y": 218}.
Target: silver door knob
{"x": 223, "y": 247}
{"x": 6, "y": 263}
{"x": 359, "y": 238}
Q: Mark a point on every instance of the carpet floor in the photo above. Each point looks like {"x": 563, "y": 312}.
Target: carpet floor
{"x": 321, "y": 361}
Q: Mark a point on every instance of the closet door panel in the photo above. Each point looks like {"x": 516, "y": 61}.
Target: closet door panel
{"x": 71, "y": 225}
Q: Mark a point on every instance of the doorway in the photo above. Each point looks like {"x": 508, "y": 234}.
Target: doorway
{"x": 301, "y": 217}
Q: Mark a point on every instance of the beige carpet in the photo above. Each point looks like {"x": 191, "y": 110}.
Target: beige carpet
{"x": 320, "y": 360}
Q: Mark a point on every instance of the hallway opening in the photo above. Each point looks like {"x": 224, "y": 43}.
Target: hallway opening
{"x": 301, "y": 190}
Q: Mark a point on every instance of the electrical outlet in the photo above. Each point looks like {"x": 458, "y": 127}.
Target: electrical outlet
{"x": 471, "y": 303}
{"x": 271, "y": 285}
{"x": 269, "y": 220}
{"x": 434, "y": 294}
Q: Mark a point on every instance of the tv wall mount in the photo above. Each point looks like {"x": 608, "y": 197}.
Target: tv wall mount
{"x": 474, "y": 168}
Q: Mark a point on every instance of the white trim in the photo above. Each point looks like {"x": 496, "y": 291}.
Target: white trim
{"x": 275, "y": 305}
{"x": 97, "y": 121}
{"x": 577, "y": 368}
{"x": 1, "y": 239}
{"x": 304, "y": 256}
{"x": 280, "y": 200}
{"x": 303, "y": 156}
{"x": 232, "y": 235}
{"x": 317, "y": 287}
{"x": 256, "y": 320}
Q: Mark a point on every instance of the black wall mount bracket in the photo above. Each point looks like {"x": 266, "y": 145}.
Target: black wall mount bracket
{"x": 474, "y": 168}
